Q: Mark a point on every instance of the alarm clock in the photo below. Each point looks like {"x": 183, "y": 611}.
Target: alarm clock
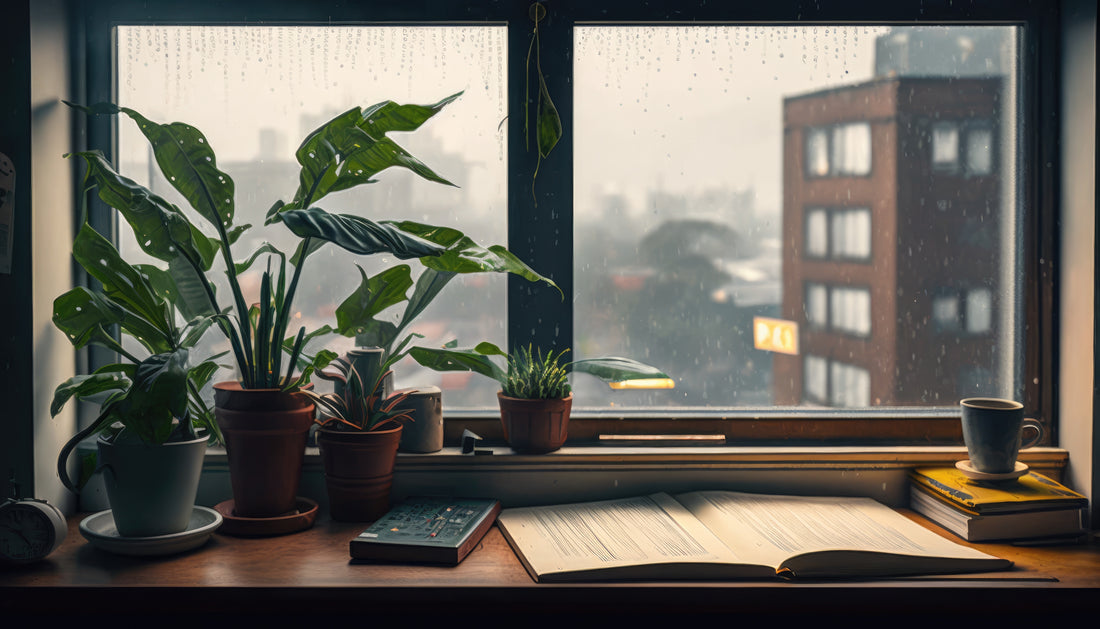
{"x": 29, "y": 530}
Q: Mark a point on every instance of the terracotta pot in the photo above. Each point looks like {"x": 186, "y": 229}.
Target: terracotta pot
{"x": 535, "y": 426}
{"x": 151, "y": 488}
{"x": 358, "y": 471}
{"x": 265, "y": 432}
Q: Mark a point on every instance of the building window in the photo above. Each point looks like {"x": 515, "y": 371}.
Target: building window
{"x": 945, "y": 146}
{"x": 979, "y": 151}
{"x": 850, "y": 231}
{"x": 838, "y": 233}
{"x": 963, "y": 147}
{"x": 850, "y": 310}
{"x": 817, "y": 233}
{"x": 967, "y": 310}
{"x": 817, "y": 305}
{"x": 815, "y": 379}
{"x": 850, "y": 386}
{"x": 842, "y": 150}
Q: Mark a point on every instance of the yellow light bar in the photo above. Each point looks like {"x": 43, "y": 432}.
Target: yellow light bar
{"x": 644, "y": 383}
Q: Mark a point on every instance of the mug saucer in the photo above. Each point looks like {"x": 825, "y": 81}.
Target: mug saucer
{"x": 969, "y": 471}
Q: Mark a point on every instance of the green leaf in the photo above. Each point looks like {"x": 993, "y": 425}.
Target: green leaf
{"x": 264, "y": 248}
{"x": 428, "y": 286}
{"x": 377, "y": 334}
{"x": 157, "y": 395}
{"x": 615, "y": 369}
{"x": 86, "y": 317}
{"x": 352, "y": 148}
{"x": 460, "y": 360}
{"x": 160, "y": 228}
{"x": 357, "y": 234}
{"x": 188, "y": 162}
{"x": 381, "y": 118}
{"x": 124, "y": 284}
{"x": 548, "y": 127}
{"x": 463, "y": 255}
{"x": 374, "y": 295}
{"x": 88, "y": 385}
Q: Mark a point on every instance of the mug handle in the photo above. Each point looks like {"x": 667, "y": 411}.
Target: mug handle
{"x": 1037, "y": 427}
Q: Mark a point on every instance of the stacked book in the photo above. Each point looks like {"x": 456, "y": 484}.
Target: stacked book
{"x": 1032, "y": 508}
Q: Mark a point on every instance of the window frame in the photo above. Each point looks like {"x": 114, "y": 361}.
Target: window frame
{"x": 547, "y": 206}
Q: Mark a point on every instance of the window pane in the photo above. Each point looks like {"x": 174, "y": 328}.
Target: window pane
{"x": 945, "y": 145}
{"x": 710, "y": 159}
{"x": 817, "y": 305}
{"x": 256, "y": 91}
{"x": 817, "y": 233}
{"x": 979, "y": 151}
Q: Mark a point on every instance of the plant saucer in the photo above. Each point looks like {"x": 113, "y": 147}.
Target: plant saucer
{"x": 99, "y": 529}
{"x": 969, "y": 471}
{"x": 298, "y": 519}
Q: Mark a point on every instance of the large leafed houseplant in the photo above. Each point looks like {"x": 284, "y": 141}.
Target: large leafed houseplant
{"x": 153, "y": 424}
{"x": 272, "y": 362}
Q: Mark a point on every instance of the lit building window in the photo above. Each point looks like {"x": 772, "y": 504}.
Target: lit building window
{"x": 851, "y": 233}
{"x": 850, "y": 310}
{"x": 850, "y": 385}
{"x": 945, "y": 146}
{"x": 979, "y": 151}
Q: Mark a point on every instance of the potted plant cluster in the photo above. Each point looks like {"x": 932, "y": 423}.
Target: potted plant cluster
{"x": 535, "y": 397}
{"x": 153, "y": 425}
{"x": 263, "y": 416}
{"x": 359, "y": 432}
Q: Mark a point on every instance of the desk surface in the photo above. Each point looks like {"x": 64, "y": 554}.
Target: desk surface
{"x": 311, "y": 570}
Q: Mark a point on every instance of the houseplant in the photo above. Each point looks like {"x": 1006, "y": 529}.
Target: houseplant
{"x": 359, "y": 433}
{"x": 153, "y": 425}
{"x": 345, "y": 152}
{"x": 535, "y": 397}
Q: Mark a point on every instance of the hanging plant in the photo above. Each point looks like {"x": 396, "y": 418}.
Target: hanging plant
{"x": 548, "y": 129}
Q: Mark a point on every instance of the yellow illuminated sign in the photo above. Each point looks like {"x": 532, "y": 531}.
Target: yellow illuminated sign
{"x": 775, "y": 335}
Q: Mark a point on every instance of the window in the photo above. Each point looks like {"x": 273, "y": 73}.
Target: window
{"x": 817, "y": 305}
{"x": 970, "y": 155}
{"x": 838, "y": 233}
{"x": 945, "y": 146}
{"x": 843, "y": 150}
{"x": 850, "y": 386}
{"x": 979, "y": 151}
{"x": 850, "y": 229}
{"x": 969, "y": 311}
{"x": 843, "y": 309}
{"x": 850, "y": 310}
{"x": 662, "y": 211}
{"x": 272, "y": 85}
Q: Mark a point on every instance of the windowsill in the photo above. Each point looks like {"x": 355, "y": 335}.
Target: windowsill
{"x": 576, "y": 473}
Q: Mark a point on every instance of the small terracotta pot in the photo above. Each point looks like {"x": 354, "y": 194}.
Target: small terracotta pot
{"x": 265, "y": 432}
{"x": 358, "y": 471}
{"x": 535, "y": 426}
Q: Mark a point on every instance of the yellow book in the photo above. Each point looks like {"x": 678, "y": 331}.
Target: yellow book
{"x": 1030, "y": 492}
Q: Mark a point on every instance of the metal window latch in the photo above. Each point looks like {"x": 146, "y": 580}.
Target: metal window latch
{"x": 469, "y": 443}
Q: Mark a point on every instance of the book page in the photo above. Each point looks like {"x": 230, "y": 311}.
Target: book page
{"x": 770, "y": 529}
{"x": 594, "y": 536}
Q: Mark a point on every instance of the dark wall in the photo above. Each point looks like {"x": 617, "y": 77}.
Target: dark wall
{"x": 16, "y": 375}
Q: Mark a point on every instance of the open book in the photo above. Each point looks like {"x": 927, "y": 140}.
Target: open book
{"x": 730, "y": 535}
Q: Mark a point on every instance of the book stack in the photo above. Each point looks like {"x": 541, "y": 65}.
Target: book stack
{"x": 1030, "y": 509}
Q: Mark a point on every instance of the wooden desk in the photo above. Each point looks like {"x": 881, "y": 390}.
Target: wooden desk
{"x": 309, "y": 573}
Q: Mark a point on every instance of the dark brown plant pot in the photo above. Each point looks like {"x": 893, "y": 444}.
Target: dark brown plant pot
{"x": 265, "y": 432}
{"x": 535, "y": 426}
{"x": 358, "y": 471}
